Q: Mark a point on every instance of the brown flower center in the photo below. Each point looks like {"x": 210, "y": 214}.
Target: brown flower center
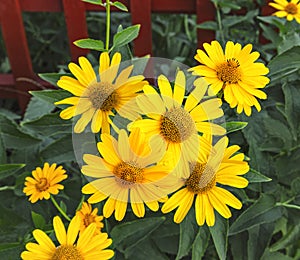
{"x": 291, "y": 8}
{"x": 177, "y": 125}
{"x": 88, "y": 219}
{"x": 229, "y": 71}
{"x": 202, "y": 178}
{"x": 42, "y": 185}
{"x": 103, "y": 96}
{"x": 67, "y": 252}
{"x": 128, "y": 173}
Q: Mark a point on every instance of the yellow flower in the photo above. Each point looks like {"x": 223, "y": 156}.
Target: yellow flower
{"x": 89, "y": 216}
{"x": 290, "y": 10}
{"x": 235, "y": 72}
{"x": 176, "y": 120}
{"x": 98, "y": 99}
{"x": 88, "y": 246}
{"x": 44, "y": 182}
{"x": 204, "y": 174}
{"x": 128, "y": 172}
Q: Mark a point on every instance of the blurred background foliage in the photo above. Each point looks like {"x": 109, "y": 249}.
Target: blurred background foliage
{"x": 267, "y": 227}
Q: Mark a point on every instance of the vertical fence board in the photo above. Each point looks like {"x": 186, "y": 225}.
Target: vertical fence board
{"x": 74, "y": 11}
{"x": 141, "y": 14}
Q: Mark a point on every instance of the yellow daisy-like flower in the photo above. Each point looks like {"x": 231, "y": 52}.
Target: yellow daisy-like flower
{"x": 202, "y": 185}
{"x": 44, "y": 182}
{"x": 88, "y": 246}
{"x": 128, "y": 172}
{"x": 88, "y": 215}
{"x": 98, "y": 99}
{"x": 177, "y": 121}
{"x": 235, "y": 72}
{"x": 290, "y": 10}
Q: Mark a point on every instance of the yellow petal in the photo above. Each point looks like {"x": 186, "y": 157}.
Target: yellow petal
{"x": 60, "y": 230}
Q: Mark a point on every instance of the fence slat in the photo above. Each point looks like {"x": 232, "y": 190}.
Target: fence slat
{"x": 74, "y": 11}
{"x": 205, "y": 11}
{"x": 141, "y": 14}
{"x": 14, "y": 36}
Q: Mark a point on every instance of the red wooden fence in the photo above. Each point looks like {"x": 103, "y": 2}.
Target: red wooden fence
{"x": 15, "y": 86}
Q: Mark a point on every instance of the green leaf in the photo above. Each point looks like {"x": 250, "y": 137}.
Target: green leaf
{"x": 13, "y": 136}
{"x": 234, "y": 126}
{"x": 42, "y": 124}
{"x": 292, "y": 237}
{"x": 38, "y": 220}
{"x": 10, "y": 251}
{"x": 91, "y": 44}
{"x": 208, "y": 25}
{"x": 3, "y": 157}
{"x": 238, "y": 246}
{"x": 256, "y": 176}
{"x": 7, "y": 170}
{"x": 63, "y": 206}
{"x": 262, "y": 211}
{"x": 128, "y": 234}
{"x": 51, "y": 78}
{"x": 51, "y": 96}
{"x": 188, "y": 233}
{"x": 120, "y": 6}
{"x": 94, "y": 2}
{"x": 126, "y": 36}
{"x": 219, "y": 233}
{"x": 290, "y": 59}
{"x": 59, "y": 151}
{"x": 36, "y": 109}
{"x": 200, "y": 243}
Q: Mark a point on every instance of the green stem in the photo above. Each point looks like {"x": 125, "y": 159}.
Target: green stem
{"x": 107, "y": 24}
{"x": 219, "y": 19}
{"x": 6, "y": 188}
{"x": 292, "y": 206}
{"x": 59, "y": 209}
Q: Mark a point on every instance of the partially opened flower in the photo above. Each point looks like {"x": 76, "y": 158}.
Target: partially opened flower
{"x": 177, "y": 120}
{"x": 128, "y": 173}
{"x": 88, "y": 215}
{"x": 234, "y": 72}
{"x": 96, "y": 99}
{"x": 290, "y": 10}
{"x": 44, "y": 182}
{"x": 202, "y": 185}
{"x": 88, "y": 246}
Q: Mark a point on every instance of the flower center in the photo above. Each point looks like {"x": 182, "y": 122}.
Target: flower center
{"x": 42, "y": 185}
{"x": 128, "y": 173}
{"x": 202, "y": 178}
{"x": 291, "y": 8}
{"x": 177, "y": 125}
{"x": 229, "y": 71}
{"x": 88, "y": 219}
{"x": 67, "y": 252}
{"x": 103, "y": 96}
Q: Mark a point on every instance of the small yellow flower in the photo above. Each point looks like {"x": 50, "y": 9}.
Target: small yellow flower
{"x": 89, "y": 216}
{"x": 96, "y": 99}
{"x": 88, "y": 246}
{"x": 44, "y": 182}
{"x": 201, "y": 185}
{"x": 290, "y": 10}
{"x": 235, "y": 72}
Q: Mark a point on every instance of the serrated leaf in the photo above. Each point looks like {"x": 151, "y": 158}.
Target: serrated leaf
{"x": 91, "y": 44}
{"x": 293, "y": 236}
{"x": 200, "y": 243}
{"x": 120, "y": 6}
{"x": 7, "y": 170}
{"x": 219, "y": 233}
{"x": 188, "y": 233}
{"x": 262, "y": 211}
{"x": 51, "y": 78}
{"x": 38, "y": 220}
{"x": 61, "y": 150}
{"x": 51, "y": 96}
{"x": 127, "y": 234}
{"x": 256, "y": 176}
{"x": 126, "y": 36}
{"x": 42, "y": 124}
{"x": 234, "y": 126}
